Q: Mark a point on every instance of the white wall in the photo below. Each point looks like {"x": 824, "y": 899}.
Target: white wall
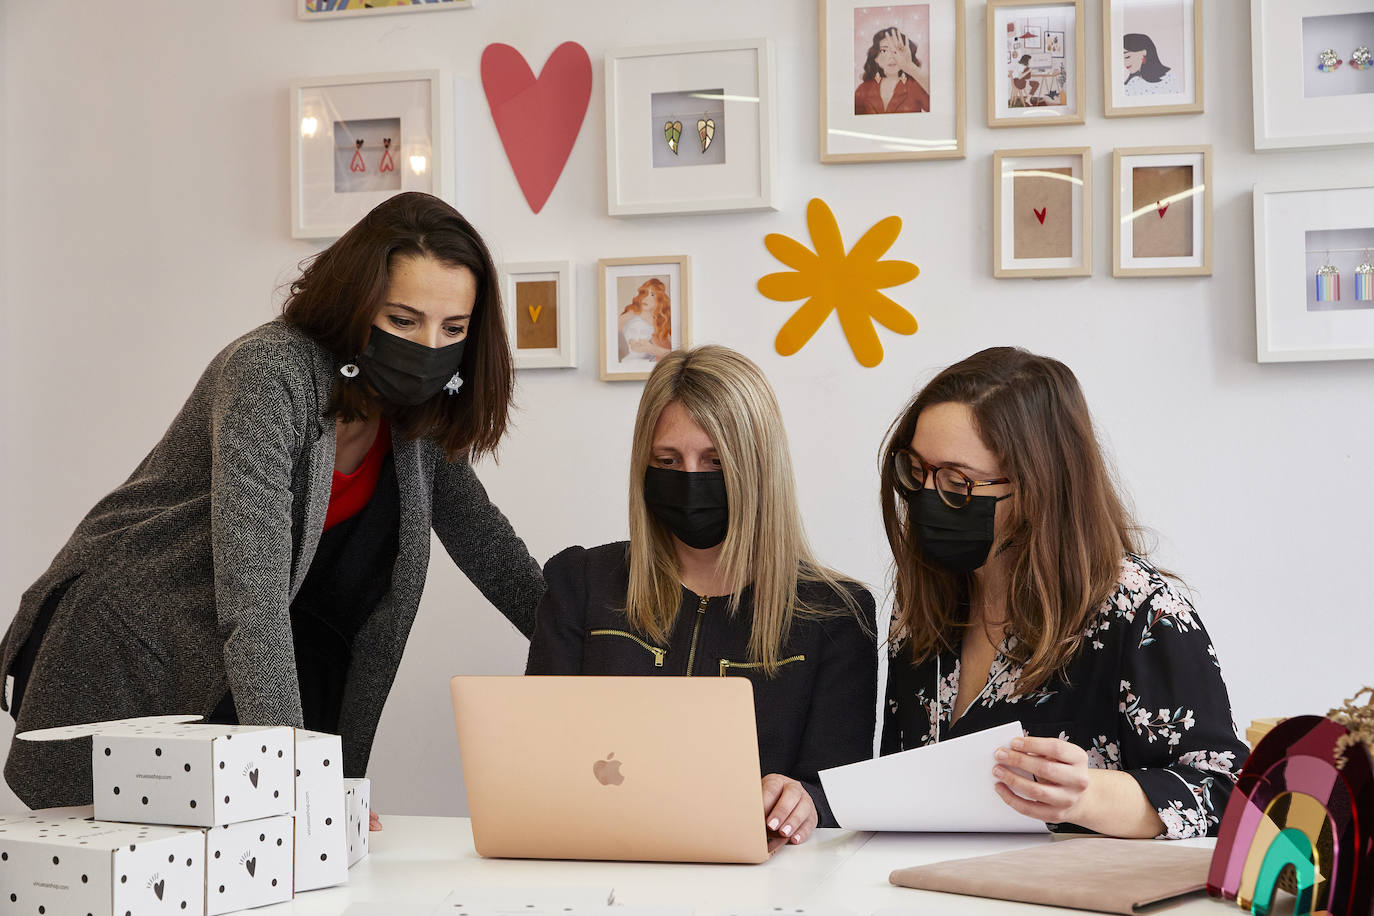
{"x": 146, "y": 224}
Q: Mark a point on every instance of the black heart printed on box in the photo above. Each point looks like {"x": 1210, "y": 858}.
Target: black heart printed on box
{"x": 252, "y": 866}
{"x": 157, "y": 888}
{"x": 253, "y": 778}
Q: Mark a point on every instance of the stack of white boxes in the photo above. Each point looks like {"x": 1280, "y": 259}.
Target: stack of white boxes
{"x": 252, "y": 815}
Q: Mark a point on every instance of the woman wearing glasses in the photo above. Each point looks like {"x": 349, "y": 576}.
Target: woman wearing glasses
{"x": 1021, "y": 594}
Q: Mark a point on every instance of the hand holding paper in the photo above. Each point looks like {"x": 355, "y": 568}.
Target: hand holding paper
{"x": 944, "y": 787}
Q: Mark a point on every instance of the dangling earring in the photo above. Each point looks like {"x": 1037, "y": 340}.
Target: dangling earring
{"x": 672, "y": 132}
{"x": 1359, "y": 58}
{"x": 357, "y": 165}
{"x": 1364, "y": 280}
{"x": 454, "y": 384}
{"x": 349, "y": 370}
{"x": 1328, "y": 282}
{"x": 388, "y": 164}
{"x": 706, "y": 130}
{"x": 1327, "y": 60}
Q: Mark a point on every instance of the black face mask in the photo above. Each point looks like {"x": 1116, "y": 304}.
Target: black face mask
{"x": 406, "y": 373}
{"x": 691, "y": 504}
{"x": 957, "y": 539}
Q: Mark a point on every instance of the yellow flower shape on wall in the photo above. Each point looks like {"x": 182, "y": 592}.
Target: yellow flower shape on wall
{"x": 832, "y": 281}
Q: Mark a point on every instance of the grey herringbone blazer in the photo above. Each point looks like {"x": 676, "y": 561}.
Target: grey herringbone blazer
{"x": 182, "y": 578}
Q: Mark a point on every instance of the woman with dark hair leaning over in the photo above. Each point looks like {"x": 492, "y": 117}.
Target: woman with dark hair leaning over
{"x": 264, "y": 563}
{"x": 1022, "y": 594}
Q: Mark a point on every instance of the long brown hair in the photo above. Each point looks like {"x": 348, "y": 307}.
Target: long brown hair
{"x": 341, "y": 290}
{"x": 728, "y": 396}
{"x": 1067, "y": 528}
{"x": 663, "y": 310}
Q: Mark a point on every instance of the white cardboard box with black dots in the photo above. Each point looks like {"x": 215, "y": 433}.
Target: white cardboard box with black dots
{"x": 248, "y": 864}
{"x": 321, "y": 838}
{"x": 54, "y": 866}
{"x": 191, "y": 774}
{"x": 356, "y": 795}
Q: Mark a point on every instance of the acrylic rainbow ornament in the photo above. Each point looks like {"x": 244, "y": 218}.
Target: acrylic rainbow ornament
{"x": 1328, "y": 283}
{"x": 1304, "y": 800}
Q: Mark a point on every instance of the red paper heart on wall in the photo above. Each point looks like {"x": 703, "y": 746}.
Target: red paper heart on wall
{"x": 1040, "y": 214}
{"x": 538, "y": 119}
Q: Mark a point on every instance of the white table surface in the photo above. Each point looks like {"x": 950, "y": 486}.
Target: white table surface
{"x": 416, "y": 862}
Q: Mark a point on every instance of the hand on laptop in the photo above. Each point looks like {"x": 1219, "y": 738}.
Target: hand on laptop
{"x": 374, "y": 822}
{"x": 788, "y": 809}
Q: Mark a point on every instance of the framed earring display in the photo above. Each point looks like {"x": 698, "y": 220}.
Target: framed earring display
{"x": 645, "y": 311}
{"x": 1035, "y": 63}
{"x": 892, "y": 80}
{"x": 1312, "y": 71}
{"x": 540, "y": 314}
{"x": 317, "y": 10}
{"x": 690, "y": 129}
{"x": 1042, "y": 213}
{"x": 1314, "y": 278}
{"x": 1162, "y": 211}
{"x": 357, "y": 140}
{"x": 1151, "y": 57}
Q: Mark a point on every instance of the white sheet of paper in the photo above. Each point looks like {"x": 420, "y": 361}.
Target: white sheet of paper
{"x": 940, "y": 788}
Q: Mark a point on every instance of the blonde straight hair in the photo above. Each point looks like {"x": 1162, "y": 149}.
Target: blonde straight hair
{"x": 729, "y": 398}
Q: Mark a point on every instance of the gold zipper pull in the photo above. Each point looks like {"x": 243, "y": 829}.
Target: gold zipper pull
{"x": 723, "y": 665}
{"x": 701, "y": 608}
{"x": 658, "y": 657}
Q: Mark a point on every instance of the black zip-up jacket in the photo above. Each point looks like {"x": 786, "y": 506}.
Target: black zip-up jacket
{"x": 816, "y": 712}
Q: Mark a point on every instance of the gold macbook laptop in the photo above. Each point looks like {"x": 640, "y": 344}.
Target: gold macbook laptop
{"x": 659, "y": 769}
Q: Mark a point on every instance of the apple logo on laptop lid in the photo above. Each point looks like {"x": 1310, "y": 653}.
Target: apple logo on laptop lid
{"x": 607, "y": 772}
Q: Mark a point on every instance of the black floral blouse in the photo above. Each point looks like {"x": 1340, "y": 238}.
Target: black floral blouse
{"x": 1144, "y": 695}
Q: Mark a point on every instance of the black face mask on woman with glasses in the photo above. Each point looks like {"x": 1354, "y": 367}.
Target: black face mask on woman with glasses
{"x": 957, "y": 539}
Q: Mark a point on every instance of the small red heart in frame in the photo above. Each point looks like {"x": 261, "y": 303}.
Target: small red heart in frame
{"x": 1161, "y": 207}
{"x": 1040, "y": 214}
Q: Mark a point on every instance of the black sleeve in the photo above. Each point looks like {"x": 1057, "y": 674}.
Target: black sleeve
{"x": 560, "y": 621}
{"x": 839, "y": 728}
{"x": 1177, "y": 736}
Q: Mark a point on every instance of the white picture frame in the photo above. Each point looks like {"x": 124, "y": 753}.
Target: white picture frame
{"x": 1173, "y": 29}
{"x": 1061, "y": 180}
{"x": 329, "y": 192}
{"x": 1289, "y": 325}
{"x": 728, "y": 85}
{"x": 322, "y": 10}
{"x": 622, "y": 282}
{"x": 1295, "y": 103}
{"x": 1159, "y": 210}
{"x": 524, "y": 294}
{"x": 852, "y": 130}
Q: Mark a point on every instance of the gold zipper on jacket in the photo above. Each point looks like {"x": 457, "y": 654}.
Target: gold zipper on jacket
{"x": 696, "y": 629}
{"x": 726, "y": 664}
{"x": 658, "y": 653}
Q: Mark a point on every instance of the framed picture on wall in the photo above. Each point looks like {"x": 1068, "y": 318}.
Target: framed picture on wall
{"x": 1029, "y": 84}
{"x": 1151, "y": 57}
{"x": 540, "y": 314}
{"x": 1314, "y": 271}
{"x": 1312, "y": 71}
{"x": 892, "y": 80}
{"x": 690, "y": 128}
{"x": 317, "y": 10}
{"x": 1042, "y": 213}
{"x": 357, "y": 140}
{"x": 645, "y": 309}
{"x": 1162, "y": 211}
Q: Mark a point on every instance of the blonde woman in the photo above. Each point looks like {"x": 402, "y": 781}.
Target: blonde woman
{"x": 717, "y": 580}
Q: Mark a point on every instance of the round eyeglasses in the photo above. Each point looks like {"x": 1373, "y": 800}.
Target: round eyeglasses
{"x": 954, "y": 487}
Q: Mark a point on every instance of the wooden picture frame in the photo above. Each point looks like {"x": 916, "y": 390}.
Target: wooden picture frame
{"x": 1158, "y": 234}
{"x": 534, "y": 313}
{"x": 1059, "y": 179}
{"x": 622, "y": 283}
{"x": 320, "y": 10}
{"x": 1030, "y": 87}
{"x": 1186, "y": 70}
{"x": 851, "y": 130}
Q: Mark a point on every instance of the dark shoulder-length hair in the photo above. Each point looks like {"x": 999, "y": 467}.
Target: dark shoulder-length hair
{"x": 871, "y": 68}
{"x": 1067, "y": 529}
{"x": 1151, "y": 71}
{"x": 341, "y": 290}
